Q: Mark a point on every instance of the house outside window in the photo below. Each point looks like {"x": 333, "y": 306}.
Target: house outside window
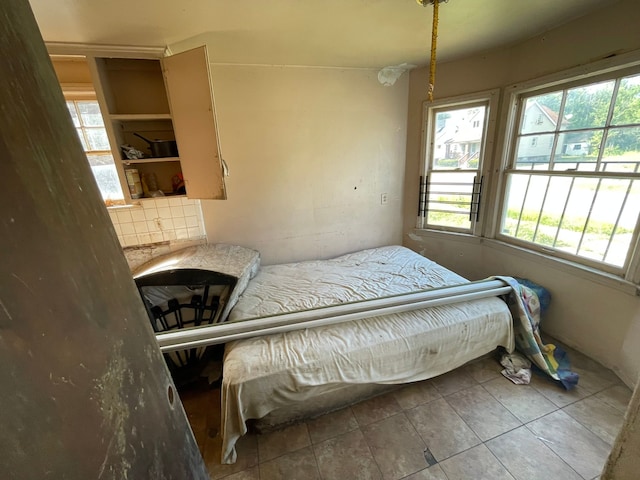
{"x": 572, "y": 184}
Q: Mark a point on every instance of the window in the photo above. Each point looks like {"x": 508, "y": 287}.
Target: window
{"x": 455, "y": 142}
{"x": 88, "y": 121}
{"x": 573, "y": 180}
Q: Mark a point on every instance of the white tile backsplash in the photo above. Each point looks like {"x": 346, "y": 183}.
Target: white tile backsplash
{"x": 157, "y": 220}
{"x": 179, "y": 222}
{"x": 153, "y": 226}
{"x": 164, "y": 212}
{"x": 141, "y": 227}
{"x": 137, "y": 215}
{"x": 189, "y": 210}
{"x": 124, "y": 216}
{"x": 150, "y": 213}
{"x": 127, "y": 228}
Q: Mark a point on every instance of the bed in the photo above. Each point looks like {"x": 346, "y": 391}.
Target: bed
{"x": 331, "y": 364}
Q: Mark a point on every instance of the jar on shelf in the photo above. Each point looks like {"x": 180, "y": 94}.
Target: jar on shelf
{"x": 134, "y": 183}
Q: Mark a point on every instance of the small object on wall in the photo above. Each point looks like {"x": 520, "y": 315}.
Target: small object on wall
{"x": 388, "y": 75}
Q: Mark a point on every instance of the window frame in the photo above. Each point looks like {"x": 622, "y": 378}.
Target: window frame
{"x": 490, "y": 99}
{"x": 612, "y": 68}
{"x": 79, "y": 92}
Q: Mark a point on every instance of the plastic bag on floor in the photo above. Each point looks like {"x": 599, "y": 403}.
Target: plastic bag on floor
{"x": 516, "y": 368}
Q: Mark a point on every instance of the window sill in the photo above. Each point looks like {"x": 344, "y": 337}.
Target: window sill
{"x": 115, "y": 208}
{"x": 442, "y": 235}
{"x": 591, "y": 274}
{"x": 588, "y": 273}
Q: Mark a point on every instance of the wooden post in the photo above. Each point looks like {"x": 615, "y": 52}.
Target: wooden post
{"x": 85, "y": 391}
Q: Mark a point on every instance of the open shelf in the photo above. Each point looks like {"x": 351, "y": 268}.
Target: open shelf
{"x": 151, "y": 159}
{"x": 139, "y": 116}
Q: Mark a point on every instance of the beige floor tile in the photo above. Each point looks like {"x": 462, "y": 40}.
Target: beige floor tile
{"x": 252, "y": 473}
{"x": 594, "y": 377}
{"x": 331, "y": 425}
{"x": 454, "y": 381}
{"x": 442, "y": 429}
{"x": 416, "y": 394}
{"x": 528, "y": 458}
{"x": 482, "y": 412}
{"x": 523, "y": 401}
{"x": 246, "y": 447}
{"x": 431, "y": 473}
{"x": 477, "y": 463}
{"x": 556, "y": 393}
{"x": 346, "y": 456}
{"x": 396, "y": 446}
{"x": 602, "y": 419}
{"x": 279, "y": 442}
{"x": 617, "y": 396}
{"x": 584, "y": 451}
{"x": 375, "y": 409}
{"x": 485, "y": 369}
{"x": 298, "y": 465}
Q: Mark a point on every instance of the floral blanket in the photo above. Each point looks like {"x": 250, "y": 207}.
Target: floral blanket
{"x": 524, "y": 304}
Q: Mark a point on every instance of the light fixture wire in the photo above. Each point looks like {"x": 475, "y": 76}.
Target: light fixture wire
{"x": 434, "y": 41}
{"x": 432, "y": 60}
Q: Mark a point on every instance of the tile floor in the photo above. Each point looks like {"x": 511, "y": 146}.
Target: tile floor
{"x": 469, "y": 424}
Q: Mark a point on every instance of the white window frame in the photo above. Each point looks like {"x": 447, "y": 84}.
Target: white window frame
{"x": 491, "y": 99}
{"x": 609, "y": 68}
{"x": 85, "y": 92}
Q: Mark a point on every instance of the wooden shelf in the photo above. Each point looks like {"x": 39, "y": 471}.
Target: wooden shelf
{"x": 132, "y": 117}
{"x": 150, "y": 160}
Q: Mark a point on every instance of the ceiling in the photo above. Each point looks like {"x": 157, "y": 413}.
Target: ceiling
{"x": 344, "y": 33}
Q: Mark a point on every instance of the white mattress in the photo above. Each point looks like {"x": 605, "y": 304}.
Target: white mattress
{"x": 265, "y": 373}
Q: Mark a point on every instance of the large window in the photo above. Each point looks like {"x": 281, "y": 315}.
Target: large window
{"x": 88, "y": 121}
{"x": 573, "y": 180}
{"x": 455, "y": 144}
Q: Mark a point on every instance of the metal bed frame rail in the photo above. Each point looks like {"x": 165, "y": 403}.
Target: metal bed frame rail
{"x": 228, "y": 331}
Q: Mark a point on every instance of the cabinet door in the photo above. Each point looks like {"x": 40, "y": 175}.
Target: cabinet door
{"x": 194, "y": 122}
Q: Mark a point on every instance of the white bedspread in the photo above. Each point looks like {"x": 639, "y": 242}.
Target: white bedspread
{"x": 264, "y": 373}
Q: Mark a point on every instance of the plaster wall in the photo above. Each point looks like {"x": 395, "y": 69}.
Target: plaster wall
{"x": 598, "y": 319}
{"x": 311, "y": 151}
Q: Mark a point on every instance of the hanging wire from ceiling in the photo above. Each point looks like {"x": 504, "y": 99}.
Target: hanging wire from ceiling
{"x": 434, "y": 41}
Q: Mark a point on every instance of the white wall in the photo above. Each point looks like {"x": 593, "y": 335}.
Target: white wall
{"x": 310, "y": 151}
{"x": 602, "y": 321}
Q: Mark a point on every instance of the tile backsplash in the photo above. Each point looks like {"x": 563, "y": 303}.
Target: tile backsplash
{"x": 157, "y": 220}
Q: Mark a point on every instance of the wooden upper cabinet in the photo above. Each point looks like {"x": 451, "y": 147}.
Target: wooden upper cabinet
{"x": 188, "y": 83}
{"x": 162, "y": 99}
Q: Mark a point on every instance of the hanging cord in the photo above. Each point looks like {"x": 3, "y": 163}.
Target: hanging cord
{"x": 432, "y": 60}
{"x": 434, "y": 41}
